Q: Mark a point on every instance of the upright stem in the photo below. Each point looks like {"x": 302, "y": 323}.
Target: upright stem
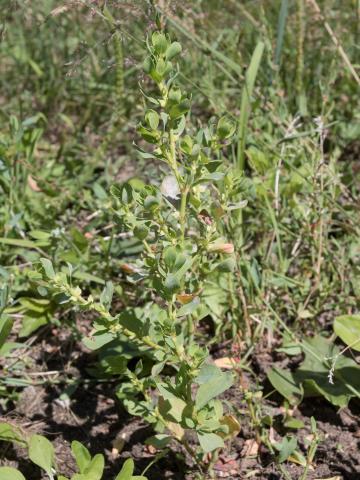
{"x": 300, "y": 56}
{"x": 184, "y": 195}
{"x": 183, "y": 188}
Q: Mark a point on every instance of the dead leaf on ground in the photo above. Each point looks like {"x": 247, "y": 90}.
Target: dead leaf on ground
{"x": 272, "y": 436}
{"x": 150, "y": 449}
{"x": 225, "y": 362}
{"x": 226, "y": 466}
{"x": 233, "y": 425}
{"x": 250, "y": 449}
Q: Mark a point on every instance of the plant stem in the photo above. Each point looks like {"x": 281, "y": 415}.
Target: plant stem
{"x": 184, "y": 195}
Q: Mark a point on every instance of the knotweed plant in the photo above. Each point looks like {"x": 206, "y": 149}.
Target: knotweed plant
{"x": 182, "y": 223}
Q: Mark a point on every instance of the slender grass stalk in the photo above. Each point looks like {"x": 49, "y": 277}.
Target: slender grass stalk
{"x": 277, "y": 233}
{"x": 245, "y": 108}
{"x": 281, "y": 27}
{"x": 300, "y": 20}
{"x": 119, "y": 82}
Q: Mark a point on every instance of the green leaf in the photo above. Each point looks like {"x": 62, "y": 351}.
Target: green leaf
{"x": 107, "y": 294}
{"x": 207, "y": 373}
{"x": 347, "y": 327}
{"x": 32, "y": 323}
{"x": 210, "y": 441}
{"x": 126, "y": 471}
{"x": 294, "y": 423}
{"x": 299, "y": 458}
{"x": 9, "y": 473}
{"x": 214, "y": 386}
{"x": 48, "y": 267}
{"x": 258, "y": 160}
{"x": 151, "y": 136}
{"x": 148, "y": 64}
{"x": 39, "y": 234}
{"x": 174, "y": 49}
{"x": 179, "y": 109}
{"x": 6, "y": 324}
{"x": 175, "y": 95}
{"x": 21, "y": 242}
{"x": 314, "y": 372}
{"x": 81, "y": 454}
{"x": 151, "y": 202}
{"x": 141, "y": 232}
{"x": 171, "y": 408}
{"x": 93, "y": 471}
{"x": 98, "y": 340}
{"x": 286, "y": 448}
{"x": 182, "y": 265}
{"x": 8, "y": 348}
{"x": 289, "y": 346}
{"x": 284, "y": 382}
{"x": 161, "y": 440}
{"x": 4, "y": 295}
{"x": 124, "y": 192}
{"x": 171, "y": 283}
{"x": 225, "y": 128}
{"x": 283, "y": 13}
{"x": 227, "y": 265}
{"x": 88, "y": 277}
{"x": 38, "y": 305}
{"x": 245, "y": 108}
{"x": 41, "y": 452}
{"x": 159, "y": 42}
{"x": 152, "y": 119}
{"x": 10, "y": 433}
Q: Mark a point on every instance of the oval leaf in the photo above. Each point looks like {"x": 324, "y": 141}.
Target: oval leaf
{"x": 9, "y": 473}
{"x": 126, "y": 471}
{"x": 347, "y": 327}
{"x": 81, "y": 454}
{"x": 41, "y": 452}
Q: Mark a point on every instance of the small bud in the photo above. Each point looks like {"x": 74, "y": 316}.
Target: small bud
{"x": 227, "y": 248}
{"x": 127, "y": 268}
{"x": 185, "y": 298}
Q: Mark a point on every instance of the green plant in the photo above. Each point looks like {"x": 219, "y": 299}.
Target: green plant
{"x": 324, "y": 371}
{"x": 264, "y": 424}
{"x": 41, "y": 453}
{"x": 181, "y": 225}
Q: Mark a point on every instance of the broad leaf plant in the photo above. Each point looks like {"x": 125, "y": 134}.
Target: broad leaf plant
{"x": 183, "y": 222}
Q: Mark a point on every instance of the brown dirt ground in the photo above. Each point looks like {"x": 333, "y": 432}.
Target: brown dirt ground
{"x": 95, "y": 417}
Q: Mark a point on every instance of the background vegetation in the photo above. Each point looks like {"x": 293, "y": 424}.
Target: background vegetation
{"x": 279, "y": 303}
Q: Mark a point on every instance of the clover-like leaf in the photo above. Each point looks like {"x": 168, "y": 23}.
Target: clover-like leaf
{"x": 347, "y": 327}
